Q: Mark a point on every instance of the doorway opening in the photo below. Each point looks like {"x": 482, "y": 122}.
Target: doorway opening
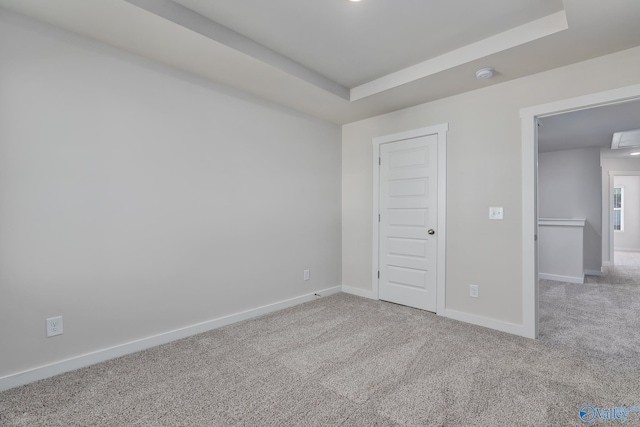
{"x": 530, "y": 118}
{"x": 624, "y": 211}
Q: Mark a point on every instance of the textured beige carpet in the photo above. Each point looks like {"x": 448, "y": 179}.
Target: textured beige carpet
{"x": 339, "y": 360}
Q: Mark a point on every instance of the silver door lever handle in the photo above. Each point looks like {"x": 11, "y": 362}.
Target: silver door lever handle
{"x": 431, "y": 231}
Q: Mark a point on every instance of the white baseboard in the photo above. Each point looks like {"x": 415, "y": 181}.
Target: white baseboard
{"x": 626, "y": 249}
{"x": 358, "y": 292}
{"x": 486, "y": 322}
{"x": 42, "y": 372}
{"x": 510, "y": 328}
{"x": 607, "y": 264}
{"x": 558, "y": 278}
{"x": 594, "y": 272}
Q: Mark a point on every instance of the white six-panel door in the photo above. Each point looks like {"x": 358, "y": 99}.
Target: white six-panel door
{"x": 408, "y": 222}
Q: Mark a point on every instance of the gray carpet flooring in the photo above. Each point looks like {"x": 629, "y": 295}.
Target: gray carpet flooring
{"x": 598, "y": 321}
{"x": 347, "y": 361}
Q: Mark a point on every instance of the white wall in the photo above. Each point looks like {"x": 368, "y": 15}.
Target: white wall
{"x": 569, "y": 186}
{"x": 135, "y": 199}
{"x": 628, "y": 239}
{"x": 611, "y": 165}
{"x": 483, "y": 170}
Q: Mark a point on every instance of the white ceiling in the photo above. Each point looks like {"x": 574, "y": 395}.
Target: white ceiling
{"x": 593, "y": 127}
{"x": 343, "y": 61}
{"x": 354, "y": 43}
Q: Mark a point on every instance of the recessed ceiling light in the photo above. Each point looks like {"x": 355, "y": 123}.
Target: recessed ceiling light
{"x": 354, "y": 0}
{"x": 485, "y": 73}
{"x": 637, "y": 153}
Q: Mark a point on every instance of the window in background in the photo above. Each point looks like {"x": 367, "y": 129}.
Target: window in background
{"x": 618, "y": 214}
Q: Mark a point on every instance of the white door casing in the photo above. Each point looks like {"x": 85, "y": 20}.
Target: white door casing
{"x": 407, "y": 222}
{"x": 409, "y": 200}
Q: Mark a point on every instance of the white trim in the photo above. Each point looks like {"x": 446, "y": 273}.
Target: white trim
{"x": 627, "y": 249}
{"x": 560, "y": 222}
{"x": 614, "y": 96}
{"x": 529, "y": 227}
{"x": 607, "y": 264}
{"x": 624, "y": 173}
{"x": 441, "y": 130}
{"x": 610, "y": 231}
{"x": 559, "y": 278}
{"x": 442, "y": 217}
{"x": 365, "y": 293}
{"x": 487, "y": 322}
{"x": 46, "y": 371}
{"x": 594, "y": 273}
{"x": 529, "y": 117}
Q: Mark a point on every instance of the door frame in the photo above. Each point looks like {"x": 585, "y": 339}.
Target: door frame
{"x": 529, "y": 117}
{"x": 441, "y": 132}
{"x": 609, "y": 225}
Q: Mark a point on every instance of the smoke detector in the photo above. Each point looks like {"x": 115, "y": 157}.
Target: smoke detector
{"x": 485, "y": 73}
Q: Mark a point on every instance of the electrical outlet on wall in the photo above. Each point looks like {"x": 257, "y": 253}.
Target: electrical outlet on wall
{"x": 496, "y": 213}
{"x": 306, "y": 275}
{"x": 54, "y": 326}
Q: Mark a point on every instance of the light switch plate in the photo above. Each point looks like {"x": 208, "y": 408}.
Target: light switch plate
{"x": 473, "y": 291}
{"x": 496, "y": 213}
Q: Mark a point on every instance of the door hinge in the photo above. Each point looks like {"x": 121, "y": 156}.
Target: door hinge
{"x": 378, "y": 274}
{"x": 379, "y": 160}
{"x": 378, "y": 217}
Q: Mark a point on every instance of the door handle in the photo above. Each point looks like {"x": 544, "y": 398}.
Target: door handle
{"x": 431, "y": 231}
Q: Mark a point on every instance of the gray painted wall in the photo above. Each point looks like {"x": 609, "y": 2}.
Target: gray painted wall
{"x": 569, "y": 186}
{"x": 136, "y": 200}
{"x": 629, "y": 238}
{"x": 484, "y": 169}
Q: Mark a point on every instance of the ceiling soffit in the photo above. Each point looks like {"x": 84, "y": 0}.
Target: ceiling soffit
{"x": 194, "y": 21}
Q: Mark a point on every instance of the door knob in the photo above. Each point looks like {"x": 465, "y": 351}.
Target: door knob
{"x": 431, "y": 231}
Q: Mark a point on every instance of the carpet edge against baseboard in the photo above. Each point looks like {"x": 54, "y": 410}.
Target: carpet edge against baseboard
{"x": 598, "y": 273}
{"x": 35, "y": 374}
{"x": 558, "y": 278}
{"x": 487, "y": 322}
{"x": 365, "y": 293}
